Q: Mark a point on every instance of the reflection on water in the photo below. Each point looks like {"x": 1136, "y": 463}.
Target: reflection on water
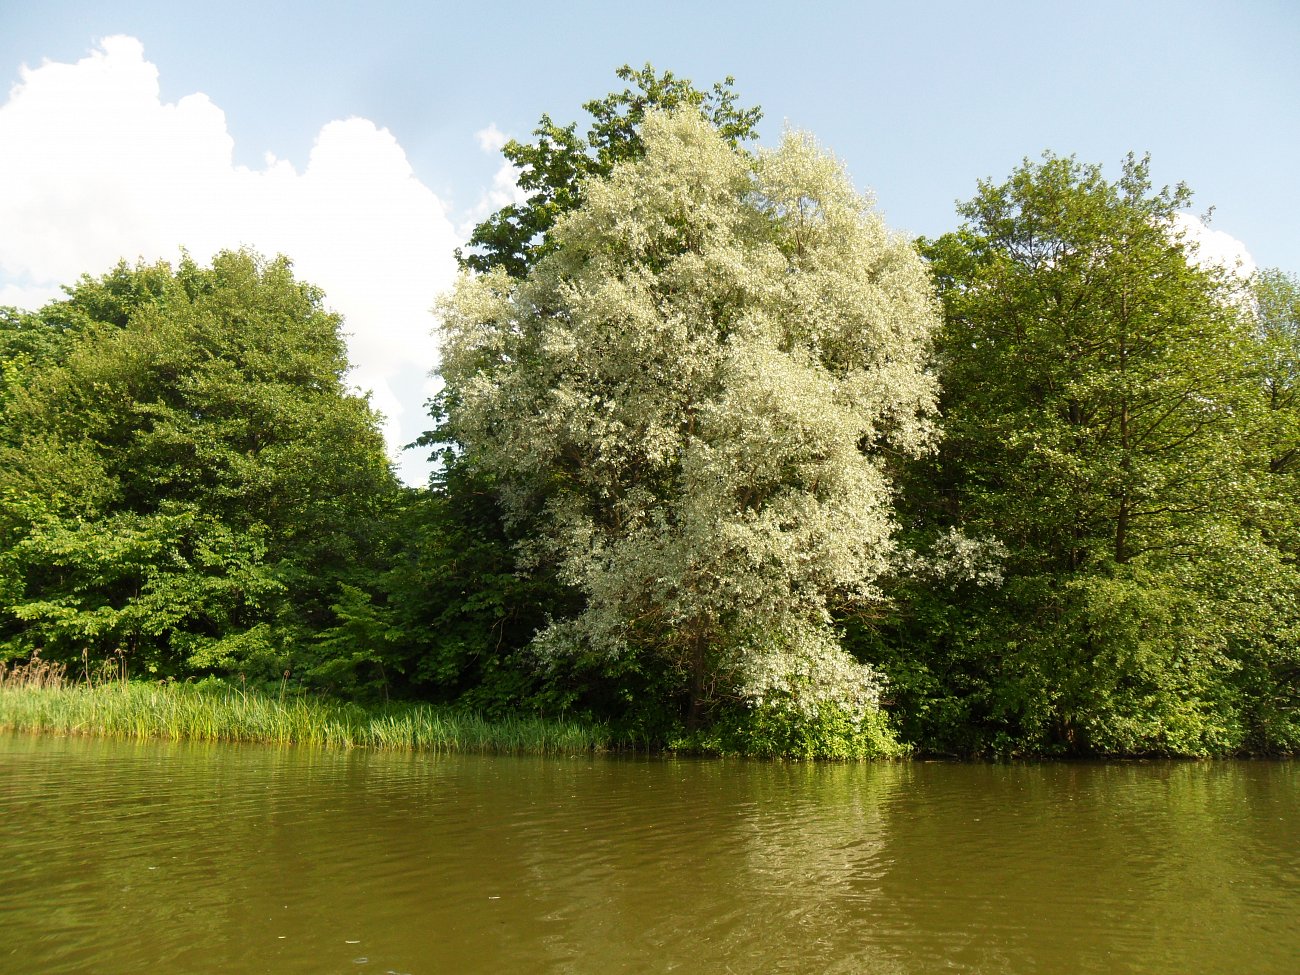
{"x": 124, "y": 858}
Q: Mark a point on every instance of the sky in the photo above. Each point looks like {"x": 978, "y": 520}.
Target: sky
{"x": 362, "y": 139}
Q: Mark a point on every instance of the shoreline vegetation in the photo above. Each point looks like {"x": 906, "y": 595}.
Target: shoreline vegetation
{"x": 723, "y": 466}
{"x": 40, "y": 699}
{"x": 216, "y": 711}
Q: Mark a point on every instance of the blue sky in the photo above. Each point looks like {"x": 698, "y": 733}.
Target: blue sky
{"x": 918, "y": 100}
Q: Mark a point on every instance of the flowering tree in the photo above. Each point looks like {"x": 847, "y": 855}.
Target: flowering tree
{"x": 688, "y": 401}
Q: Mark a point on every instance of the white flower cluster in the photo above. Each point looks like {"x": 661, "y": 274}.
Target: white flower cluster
{"x": 955, "y": 558}
{"x": 686, "y": 403}
{"x": 806, "y": 669}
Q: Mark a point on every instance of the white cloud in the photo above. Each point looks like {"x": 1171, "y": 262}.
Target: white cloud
{"x": 1214, "y": 248}
{"x": 505, "y": 182}
{"x": 491, "y": 139}
{"x": 94, "y": 168}
{"x": 503, "y": 192}
{"x": 28, "y": 296}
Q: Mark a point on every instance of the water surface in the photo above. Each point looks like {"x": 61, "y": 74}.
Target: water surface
{"x": 123, "y": 857}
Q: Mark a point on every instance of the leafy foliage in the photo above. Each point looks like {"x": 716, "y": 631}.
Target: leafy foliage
{"x": 687, "y": 400}
{"x": 1103, "y": 415}
{"x": 188, "y": 480}
{"x": 554, "y": 169}
{"x": 450, "y": 612}
{"x": 691, "y": 485}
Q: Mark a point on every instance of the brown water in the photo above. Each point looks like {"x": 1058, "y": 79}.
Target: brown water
{"x": 131, "y": 858}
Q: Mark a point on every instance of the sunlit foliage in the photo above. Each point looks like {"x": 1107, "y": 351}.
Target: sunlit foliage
{"x": 689, "y": 398}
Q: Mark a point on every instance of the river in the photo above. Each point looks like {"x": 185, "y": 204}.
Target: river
{"x": 124, "y": 857}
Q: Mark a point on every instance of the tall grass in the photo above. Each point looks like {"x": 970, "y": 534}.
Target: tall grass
{"x": 37, "y": 697}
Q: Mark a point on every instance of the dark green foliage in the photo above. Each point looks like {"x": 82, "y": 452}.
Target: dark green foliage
{"x": 1267, "y": 634}
{"x": 452, "y": 616}
{"x": 449, "y": 616}
{"x": 553, "y": 168}
{"x": 451, "y": 611}
{"x": 188, "y": 481}
{"x": 1086, "y": 359}
{"x": 1277, "y": 367}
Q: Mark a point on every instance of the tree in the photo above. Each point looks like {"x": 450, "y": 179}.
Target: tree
{"x": 457, "y": 594}
{"x": 1269, "y": 649}
{"x": 689, "y": 399}
{"x": 554, "y": 169}
{"x": 25, "y": 343}
{"x": 1277, "y": 311}
{"x": 189, "y": 481}
{"x": 1100, "y": 413}
{"x": 449, "y": 612}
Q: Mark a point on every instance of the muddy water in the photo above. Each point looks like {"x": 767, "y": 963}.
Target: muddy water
{"x": 127, "y": 858}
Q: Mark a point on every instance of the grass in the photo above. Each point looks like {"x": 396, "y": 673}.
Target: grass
{"x": 37, "y": 697}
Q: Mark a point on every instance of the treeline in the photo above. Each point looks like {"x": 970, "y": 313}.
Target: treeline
{"x": 723, "y": 463}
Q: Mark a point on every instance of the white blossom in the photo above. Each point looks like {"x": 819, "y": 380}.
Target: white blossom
{"x": 687, "y": 401}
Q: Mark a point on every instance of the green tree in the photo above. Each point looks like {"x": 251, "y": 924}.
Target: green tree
{"x": 1113, "y": 366}
{"x": 1277, "y": 306}
{"x": 1099, "y": 417}
{"x": 689, "y": 399}
{"x": 189, "y": 481}
{"x": 553, "y": 169}
{"x": 28, "y": 342}
{"x": 1269, "y": 647}
{"x": 450, "y": 612}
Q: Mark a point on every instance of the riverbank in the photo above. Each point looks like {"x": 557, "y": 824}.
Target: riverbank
{"x": 220, "y": 712}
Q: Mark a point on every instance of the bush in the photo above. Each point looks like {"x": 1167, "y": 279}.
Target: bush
{"x": 781, "y": 730}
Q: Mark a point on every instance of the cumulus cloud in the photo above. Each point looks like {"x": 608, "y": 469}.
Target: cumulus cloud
{"x": 96, "y": 168}
{"x": 491, "y": 139}
{"x": 1214, "y": 248}
{"x": 504, "y": 190}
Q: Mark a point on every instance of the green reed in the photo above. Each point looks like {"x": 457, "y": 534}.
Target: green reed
{"x": 219, "y": 712}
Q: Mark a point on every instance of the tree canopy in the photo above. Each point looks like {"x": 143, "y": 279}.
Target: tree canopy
{"x": 554, "y": 168}
{"x": 1103, "y": 416}
{"x": 188, "y": 480}
{"x": 691, "y": 395}
{"x": 722, "y": 464}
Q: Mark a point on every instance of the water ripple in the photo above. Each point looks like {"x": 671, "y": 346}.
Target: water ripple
{"x": 125, "y": 857}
